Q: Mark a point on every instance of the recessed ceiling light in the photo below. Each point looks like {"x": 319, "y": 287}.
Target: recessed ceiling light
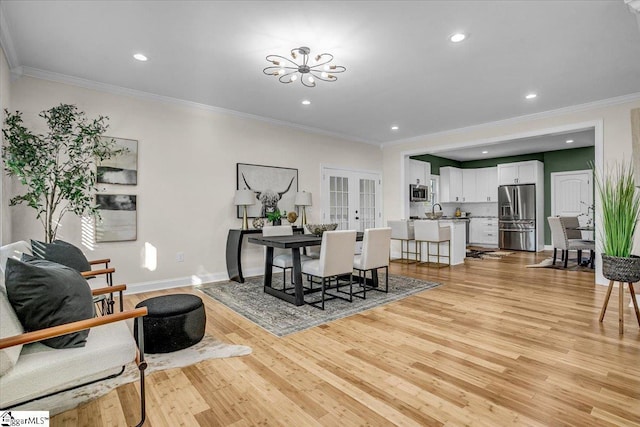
{"x": 457, "y": 37}
{"x": 394, "y": 128}
{"x": 140, "y": 57}
{"x": 306, "y": 102}
{"x": 485, "y": 152}
{"x": 531, "y": 95}
{"x": 569, "y": 141}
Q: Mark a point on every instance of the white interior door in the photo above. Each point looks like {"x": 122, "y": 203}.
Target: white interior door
{"x": 351, "y": 199}
{"x": 572, "y": 195}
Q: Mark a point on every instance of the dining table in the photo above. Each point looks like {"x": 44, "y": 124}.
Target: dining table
{"x": 294, "y": 243}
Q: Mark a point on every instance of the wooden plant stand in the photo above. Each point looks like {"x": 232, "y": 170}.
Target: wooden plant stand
{"x": 620, "y": 304}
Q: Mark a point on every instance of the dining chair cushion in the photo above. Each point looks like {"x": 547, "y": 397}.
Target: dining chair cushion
{"x": 375, "y": 249}
{"x": 570, "y": 223}
{"x": 282, "y": 257}
{"x": 558, "y": 233}
{"x": 336, "y": 255}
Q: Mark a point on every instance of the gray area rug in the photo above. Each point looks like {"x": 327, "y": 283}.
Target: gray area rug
{"x": 282, "y": 318}
{"x": 208, "y": 348}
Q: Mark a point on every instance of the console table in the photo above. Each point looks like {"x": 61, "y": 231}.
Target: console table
{"x": 234, "y": 249}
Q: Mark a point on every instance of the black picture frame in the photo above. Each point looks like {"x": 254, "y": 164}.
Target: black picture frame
{"x": 268, "y": 183}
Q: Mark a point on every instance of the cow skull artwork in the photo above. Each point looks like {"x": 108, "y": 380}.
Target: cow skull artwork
{"x": 268, "y": 197}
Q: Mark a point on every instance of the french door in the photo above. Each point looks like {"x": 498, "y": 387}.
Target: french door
{"x": 352, "y": 199}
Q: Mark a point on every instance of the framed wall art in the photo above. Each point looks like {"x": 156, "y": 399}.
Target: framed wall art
{"x": 274, "y": 187}
{"x": 121, "y": 169}
{"x": 118, "y": 217}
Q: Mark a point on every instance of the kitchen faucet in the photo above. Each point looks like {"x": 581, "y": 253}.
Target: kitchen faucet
{"x": 433, "y": 208}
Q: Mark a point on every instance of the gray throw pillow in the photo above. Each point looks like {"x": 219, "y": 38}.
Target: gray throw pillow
{"x": 61, "y": 252}
{"x": 45, "y": 294}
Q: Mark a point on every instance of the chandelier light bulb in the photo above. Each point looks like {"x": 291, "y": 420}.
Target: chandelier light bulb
{"x": 326, "y": 67}
{"x": 280, "y": 71}
{"x": 310, "y": 79}
{"x": 324, "y": 75}
{"x": 294, "y": 78}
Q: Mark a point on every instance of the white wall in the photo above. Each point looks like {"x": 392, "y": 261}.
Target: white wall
{"x": 616, "y": 127}
{"x": 5, "y": 183}
{"x": 186, "y": 178}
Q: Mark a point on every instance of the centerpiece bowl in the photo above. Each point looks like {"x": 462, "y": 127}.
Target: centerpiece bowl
{"x": 318, "y": 229}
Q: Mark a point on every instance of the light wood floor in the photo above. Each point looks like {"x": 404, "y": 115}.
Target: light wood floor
{"x": 498, "y": 344}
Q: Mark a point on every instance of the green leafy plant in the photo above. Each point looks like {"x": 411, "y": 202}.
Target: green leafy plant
{"x": 57, "y": 169}
{"x": 620, "y": 209}
{"x": 274, "y": 216}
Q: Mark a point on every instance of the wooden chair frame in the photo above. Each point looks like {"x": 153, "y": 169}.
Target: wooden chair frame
{"x": 55, "y": 331}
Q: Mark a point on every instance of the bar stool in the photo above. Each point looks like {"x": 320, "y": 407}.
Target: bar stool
{"x": 403, "y": 230}
{"x": 430, "y": 232}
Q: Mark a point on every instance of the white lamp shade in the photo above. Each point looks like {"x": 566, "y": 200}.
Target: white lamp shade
{"x": 244, "y": 198}
{"x": 302, "y": 199}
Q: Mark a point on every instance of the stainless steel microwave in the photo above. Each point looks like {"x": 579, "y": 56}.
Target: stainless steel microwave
{"x": 418, "y": 193}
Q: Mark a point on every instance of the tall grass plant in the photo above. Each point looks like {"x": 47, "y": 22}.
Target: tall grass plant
{"x": 620, "y": 209}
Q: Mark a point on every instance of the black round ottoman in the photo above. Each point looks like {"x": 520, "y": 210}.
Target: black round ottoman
{"x": 173, "y": 322}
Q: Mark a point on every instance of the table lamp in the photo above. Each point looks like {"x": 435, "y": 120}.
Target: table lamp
{"x": 303, "y": 199}
{"x": 244, "y": 198}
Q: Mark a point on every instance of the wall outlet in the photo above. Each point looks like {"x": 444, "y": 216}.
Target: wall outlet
{"x": 179, "y": 256}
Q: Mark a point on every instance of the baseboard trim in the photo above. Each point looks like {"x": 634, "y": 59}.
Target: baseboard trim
{"x": 181, "y": 282}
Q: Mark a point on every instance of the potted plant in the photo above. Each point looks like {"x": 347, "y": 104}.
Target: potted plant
{"x": 620, "y": 215}
{"x": 275, "y": 217}
{"x": 56, "y": 169}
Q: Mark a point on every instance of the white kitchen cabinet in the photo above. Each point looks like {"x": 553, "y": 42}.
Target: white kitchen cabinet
{"x": 486, "y": 185}
{"x": 419, "y": 172}
{"x": 450, "y": 184}
{"x": 483, "y": 231}
{"x": 470, "y": 186}
{"x": 520, "y": 172}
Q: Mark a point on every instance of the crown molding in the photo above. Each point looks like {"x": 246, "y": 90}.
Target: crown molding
{"x": 520, "y": 119}
{"x": 5, "y": 40}
{"x": 118, "y": 90}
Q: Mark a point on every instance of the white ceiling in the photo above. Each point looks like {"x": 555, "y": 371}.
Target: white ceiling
{"x": 401, "y": 68}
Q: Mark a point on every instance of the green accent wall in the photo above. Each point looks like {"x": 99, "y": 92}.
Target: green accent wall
{"x": 436, "y": 162}
{"x": 554, "y": 161}
{"x": 561, "y": 161}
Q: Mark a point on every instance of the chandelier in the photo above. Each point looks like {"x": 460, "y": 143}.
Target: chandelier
{"x": 289, "y": 70}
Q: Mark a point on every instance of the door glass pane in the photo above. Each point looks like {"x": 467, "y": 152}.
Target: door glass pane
{"x": 367, "y": 204}
{"x": 339, "y": 201}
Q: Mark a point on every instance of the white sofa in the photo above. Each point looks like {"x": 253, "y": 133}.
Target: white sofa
{"x": 30, "y": 370}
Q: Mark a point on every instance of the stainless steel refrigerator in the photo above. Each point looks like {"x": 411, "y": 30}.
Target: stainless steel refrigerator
{"x": 517, "y": 217}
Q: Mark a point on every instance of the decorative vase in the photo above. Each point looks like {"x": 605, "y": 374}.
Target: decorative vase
{"x": 621, "y": 269}
{"x": 292, "y": 217}
{"x": 258, "y": 223}
{"x": 277, "y": 222}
